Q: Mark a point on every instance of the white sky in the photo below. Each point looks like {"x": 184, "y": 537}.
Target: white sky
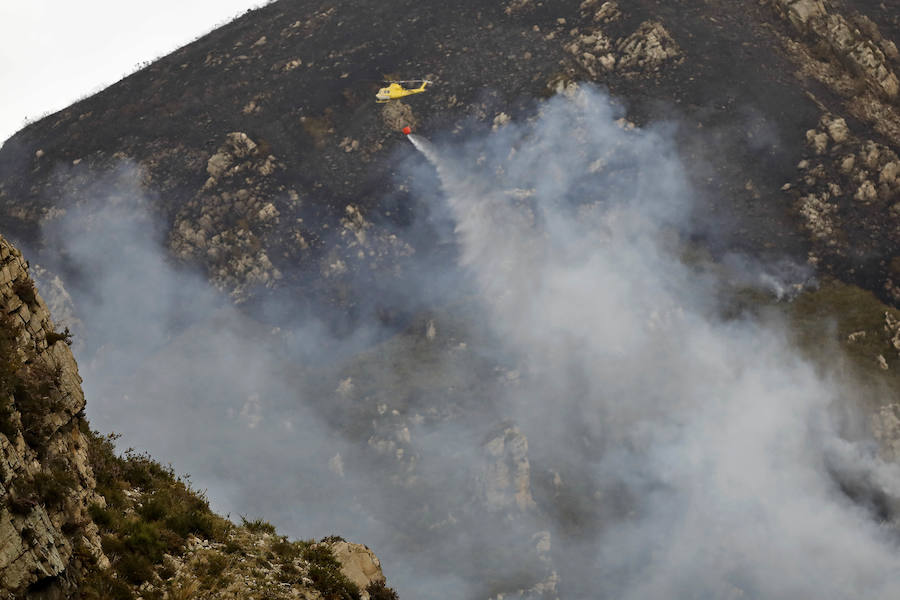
{"x": 53, "y": 52}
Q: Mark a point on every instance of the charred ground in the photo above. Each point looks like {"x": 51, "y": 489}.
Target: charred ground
{"x": 298, "y": 77}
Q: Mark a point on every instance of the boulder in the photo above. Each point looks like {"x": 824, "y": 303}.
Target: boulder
{"x": 358, "y": 563}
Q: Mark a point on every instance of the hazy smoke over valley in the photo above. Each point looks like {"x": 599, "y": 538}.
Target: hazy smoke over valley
{"x": 671, "y": 452}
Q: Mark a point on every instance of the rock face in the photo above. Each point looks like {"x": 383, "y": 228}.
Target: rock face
{"x": 227, "y": 224}
{"x": 886, "y": 428}
{"x": 506, "y": 478}
{"x": 358, "y": 564}
{"x": 855, "y": 43}
{"x": 642, "y": 52}
{"x": 46, "y": 483}
{"x": 848, "y": 196}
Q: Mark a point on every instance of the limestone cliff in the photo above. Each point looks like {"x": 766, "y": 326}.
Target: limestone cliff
{"x": 46, "y": 482}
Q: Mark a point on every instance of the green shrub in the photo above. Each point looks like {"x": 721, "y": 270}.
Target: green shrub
{"x": 70, "y": 527}
{"x": 21, "y": 505}
{"x": 108, "y": 468}
{"x": 24, "y": 289}
{"x": 134, "y": 568}
{"x": 36, "y": 395}
{"x": 193, "y": 522}
{"x": 142, "y": 471}
{"x": 166, "y": 571}
{"x": 332, "y": 584}
{"x": 101, "y": 585}
{"x": 285, "y": 550}
{"x": 113, "y": 546}
{"x": 378, "y": 590}
{"x": 104, "y": 518}
{"x": 258, "y": 526}
{"x": 144, "y": 538}
{"x": 331, "y": 539}
{"x": 54, "y": 485}
{"x": 289, "y": 573}
{"x": 63, "y": 336}
{"x": 95, "y": 583}
{"x": 10, "y": 361}
{"x": 215, "y": 564}
{"x": 32, "y": 384}
{"x": 325, "y": 573}
{"x": 102, "y": 456}
{"x": 168, "y": 511}
{"x": 29, "y": 535}
{"x": 156, "y": 507}
{"x": 322, "y": 555}
{"x": 8, "y": 424}
{"x": 114, "y": 495}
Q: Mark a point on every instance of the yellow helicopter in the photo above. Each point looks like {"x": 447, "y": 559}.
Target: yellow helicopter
{"x": 396, "y": 90}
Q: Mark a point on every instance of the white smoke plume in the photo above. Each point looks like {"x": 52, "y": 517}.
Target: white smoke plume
{"x": 715, "y": 439}
{"x": 671, "y": 452}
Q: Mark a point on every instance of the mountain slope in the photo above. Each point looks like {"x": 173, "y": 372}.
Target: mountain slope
{"x": 267, "y": 206}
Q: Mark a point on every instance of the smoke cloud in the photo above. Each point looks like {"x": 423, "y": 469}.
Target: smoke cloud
{"x": 577, "y": 419}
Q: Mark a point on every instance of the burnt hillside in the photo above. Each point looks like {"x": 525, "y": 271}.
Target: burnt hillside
{"x": 743, "y": 82}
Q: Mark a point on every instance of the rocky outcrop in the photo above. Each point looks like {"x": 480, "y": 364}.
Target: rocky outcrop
{"x": 641, "y": 53}
{"x": 254, "y": 562}
{"x": 506, "y": 479}
{"x": 46, "y": 482}
{"x": 892, "y": 328}
{"x": 595, "y": 48}
{"x": 848, "y": 195}
{"x": 358, "y": 564}
{"x": 647, "y": 49}
{"x": 849, "y": 54}
{"x": 398, "y": 115}
{"x": 854, "y": 43}
{"x": 228, "y": 225}
{"x": 886, "y": 429}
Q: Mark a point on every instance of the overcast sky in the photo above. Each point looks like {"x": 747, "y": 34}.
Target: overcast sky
{"x": 53, "y": 52}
